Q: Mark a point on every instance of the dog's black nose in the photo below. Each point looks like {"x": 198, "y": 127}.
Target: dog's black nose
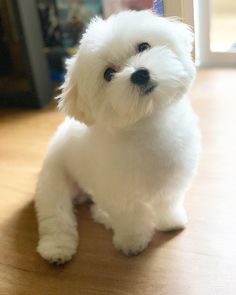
{"x": 140, "y": 77}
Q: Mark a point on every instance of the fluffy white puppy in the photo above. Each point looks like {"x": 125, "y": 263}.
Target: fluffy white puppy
{"x": 137, "y": 150}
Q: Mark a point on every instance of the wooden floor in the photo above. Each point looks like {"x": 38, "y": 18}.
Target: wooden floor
{"x": 200, "y": 260}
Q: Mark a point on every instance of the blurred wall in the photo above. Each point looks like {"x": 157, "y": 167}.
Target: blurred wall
{"x": 223, "y": 6}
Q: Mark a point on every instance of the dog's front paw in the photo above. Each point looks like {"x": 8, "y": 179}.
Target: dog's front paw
{"x": 57, "y": 249}
{"x": 172, "y": 219}
{"x": 131, "y": 244}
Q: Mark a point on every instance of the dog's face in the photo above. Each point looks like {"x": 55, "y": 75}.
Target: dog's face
{"x": 127, "y": 67}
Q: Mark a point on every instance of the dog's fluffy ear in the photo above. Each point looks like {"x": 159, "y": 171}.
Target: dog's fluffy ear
{"x": 183, "y": 32}
{"x": 70, "y": 101}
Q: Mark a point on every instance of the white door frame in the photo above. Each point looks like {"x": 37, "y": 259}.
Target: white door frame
{"x": 196, "y": 13}
{"x": 206, "y": 57}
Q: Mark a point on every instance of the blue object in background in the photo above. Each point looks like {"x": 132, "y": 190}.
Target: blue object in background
{"x": 158, "y": 7}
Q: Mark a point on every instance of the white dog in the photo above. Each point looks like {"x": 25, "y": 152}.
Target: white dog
{"x": 139, "y": 148}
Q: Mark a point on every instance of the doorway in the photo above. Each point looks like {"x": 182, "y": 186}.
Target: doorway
{"x": 215, "y": 26}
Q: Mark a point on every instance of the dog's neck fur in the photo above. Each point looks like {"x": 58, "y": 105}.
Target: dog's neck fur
{"x": 168, "y": 116}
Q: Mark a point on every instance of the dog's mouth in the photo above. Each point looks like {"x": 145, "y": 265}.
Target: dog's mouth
{"x": 147, "y": 89}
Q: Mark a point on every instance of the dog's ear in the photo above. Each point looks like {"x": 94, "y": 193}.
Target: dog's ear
{"x": 183, "y": 33}
{"x": 70, "y": 101}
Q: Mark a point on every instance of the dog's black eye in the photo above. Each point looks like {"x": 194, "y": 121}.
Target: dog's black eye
{"x": 143, "y": 46}
{"x": 108, "y": 74}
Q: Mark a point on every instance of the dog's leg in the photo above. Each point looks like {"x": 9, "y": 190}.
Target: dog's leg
{"x": 133, "y": 229}
{"x": 170, "y": 215}
{"x": 57, "y": 224}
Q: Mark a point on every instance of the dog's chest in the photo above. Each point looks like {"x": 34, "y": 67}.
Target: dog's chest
{"x": 139, "y": 162}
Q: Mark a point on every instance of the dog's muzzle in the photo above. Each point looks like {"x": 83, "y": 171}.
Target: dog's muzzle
{"x": 141, "y": 78}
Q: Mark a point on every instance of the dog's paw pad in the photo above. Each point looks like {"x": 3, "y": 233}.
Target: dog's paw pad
{"x": 58, "y": 261}
{"x": 133, "y": 252}
{"x": 60, "y": 257}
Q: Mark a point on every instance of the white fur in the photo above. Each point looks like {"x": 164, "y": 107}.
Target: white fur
{"x": 137, "y": 154}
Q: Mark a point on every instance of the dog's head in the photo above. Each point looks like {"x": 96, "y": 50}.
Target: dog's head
{"x": 127, "y": 67}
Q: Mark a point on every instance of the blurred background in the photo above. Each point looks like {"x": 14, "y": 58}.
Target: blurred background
{"x": 36, "y": 36}
{"x": 223, "y": 25}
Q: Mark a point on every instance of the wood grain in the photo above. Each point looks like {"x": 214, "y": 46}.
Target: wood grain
{"x": 199, "y": 260}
